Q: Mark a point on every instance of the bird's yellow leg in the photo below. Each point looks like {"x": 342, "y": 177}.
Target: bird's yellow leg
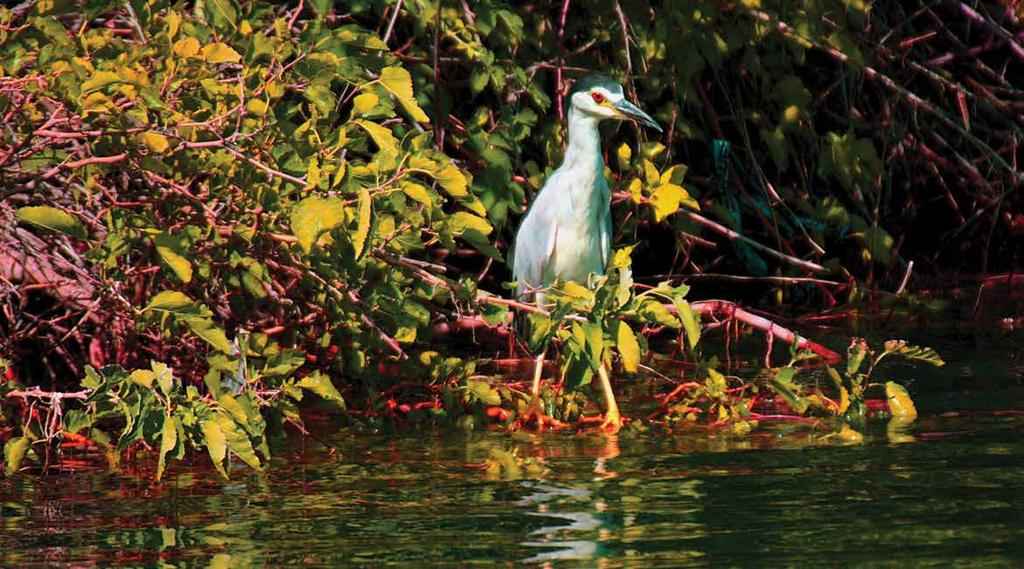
{"x": 612, "y": 419}
{"x": 535, "y": 413}
{"x": 538, "y": 371}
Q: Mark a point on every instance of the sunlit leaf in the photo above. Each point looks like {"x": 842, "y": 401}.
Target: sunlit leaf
{"x": 360, "y": 240}
{"x": 381, "y": 136}
{"x": 398, "y": 81}
{"x": 321, "y": 385}
{"x": 364, "y": 103}
{"x": 629, "y": 348}
{"x": 213, "y": 438}
{"x": 484, "y": 392}
{"x": 220, "y": 53}
{"x": 311, "y": 217}
{"x": 168, "y": 440}
{"x": 155, "y": 141}
{"x": 52, "y": 218}
{"x": 900, "y": 404}
{"x": 667, "y": 198}
{"x": 14, "y": 453}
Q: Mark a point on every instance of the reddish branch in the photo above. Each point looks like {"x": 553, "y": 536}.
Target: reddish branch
{"x": 727, "y": 310}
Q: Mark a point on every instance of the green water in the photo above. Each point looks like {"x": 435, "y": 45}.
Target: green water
{"x": 945, "y": 491}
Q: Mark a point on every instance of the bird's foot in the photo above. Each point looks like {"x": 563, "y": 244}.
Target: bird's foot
{"x": 535, "y": 416}
{"x": 612, "y": 423}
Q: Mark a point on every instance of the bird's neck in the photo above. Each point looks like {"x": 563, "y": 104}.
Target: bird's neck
{"x": 583, "y": 152}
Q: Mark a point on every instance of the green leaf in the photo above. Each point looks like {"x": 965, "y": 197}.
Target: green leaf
{"x": 14, "y": 454}
{"x": 170, "y": 301}
{"x": 207, "y": 330}
{"x": 321, "y": 96}
{"x": 181, "y": 266}
{"x": 321, "y": 385}
{"x": 313, "y": 216}
{"x": 629, "y": 348}
{"x": 655, "y": 312}
{"x": 462, "y": 222}
{"x": 168, "y": 440}
{"x": 238, "y": 442}
{"x": 539, "y": 328}
{"x": 855, "y": 355}
{"x": 101, "y": 79}
{"x": 399, "y": 82}
{"x": 624, "y": 157}
{"x": 783, "y": 384}
{"x": 360, "y": 240}
{"x": 213, "y": 438}
{"x": 220, "y": 53}
{"x": 52, "y": 218}
{"x": 483, "y": 391}
{"x": 691, "y": 322}
{"x": 221, "y": 13}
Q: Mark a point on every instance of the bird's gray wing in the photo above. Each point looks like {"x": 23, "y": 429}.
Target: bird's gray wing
{"x": 534, "y": 245}
{"x": 606, "y": 226}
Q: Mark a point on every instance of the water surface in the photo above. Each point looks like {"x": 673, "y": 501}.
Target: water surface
{"x": 946, "y": 490}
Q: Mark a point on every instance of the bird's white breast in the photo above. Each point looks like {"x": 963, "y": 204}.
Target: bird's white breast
{"x": 578, "y": 218}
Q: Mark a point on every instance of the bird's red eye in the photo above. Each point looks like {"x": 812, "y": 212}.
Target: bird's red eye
{"x": 598, "y": 97}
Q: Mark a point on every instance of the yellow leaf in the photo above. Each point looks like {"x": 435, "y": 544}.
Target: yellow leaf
{"x": 101, "y": 79}
{"x": 900, "y": 404}
{"x": 453, "y": 181}
{"x": 186, "y": 47}
{"x": 636, "y": 190}
{"x": 143, "y": 377}
{"x": 674, "y": 175}
{"x": 313, "y": 173}
{"x": 381, "y": 136}
{"x": 168, "y": 440}
{"x": 629, "y": 348}
{"x": 155, "y": 141}
{"x": 365, "y": 103}
{"x": 313, "y": 216}
{"x": 667, "y": 198}
{"x": 256, "y": 106}
{"x": 180, "y": 265}
{"x": 624, "y": 155}
{"x": 361, "y": 238}
{"x": 417, "y": 193}
{"x": 399, "y": 82}
{"x": 52, "y": 218}
{"x": 173, "y": 21}
{"x": 215, "y": 443}
{"x": 220, "y": 53}
{"x": 576, "y": 290}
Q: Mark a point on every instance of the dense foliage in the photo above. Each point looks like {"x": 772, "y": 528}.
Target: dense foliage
{"x": 210, "y": 210}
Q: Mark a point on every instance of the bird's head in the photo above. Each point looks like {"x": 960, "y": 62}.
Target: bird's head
{"x": 602, "y": 97}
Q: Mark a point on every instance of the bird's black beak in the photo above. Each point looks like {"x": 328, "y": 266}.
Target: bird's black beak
{"x": 632, "y": 112}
